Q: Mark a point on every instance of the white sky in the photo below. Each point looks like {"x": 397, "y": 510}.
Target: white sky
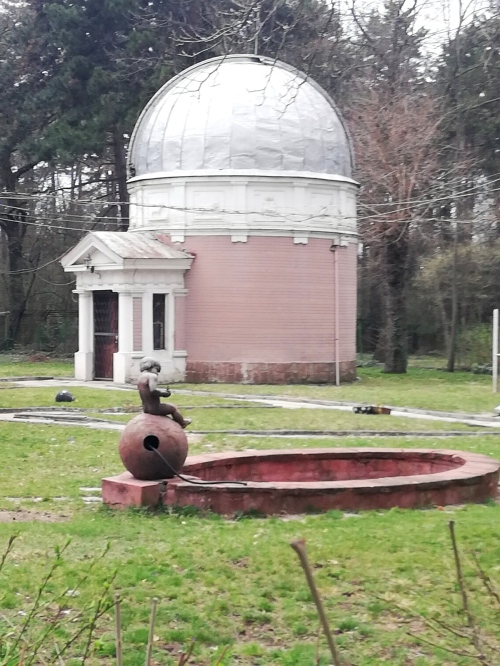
{"x": 443, "y": 17}
{"x": 440, "y": 18}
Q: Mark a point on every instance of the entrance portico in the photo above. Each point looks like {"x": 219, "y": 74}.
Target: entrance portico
{"x": 131, "y": 292}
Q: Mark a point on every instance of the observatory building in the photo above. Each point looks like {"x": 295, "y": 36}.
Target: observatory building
{"x": 239, "y": 264}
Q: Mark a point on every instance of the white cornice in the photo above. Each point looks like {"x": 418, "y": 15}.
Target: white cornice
{"x": 352, "y": 237}
{"x": 248, "y": 174}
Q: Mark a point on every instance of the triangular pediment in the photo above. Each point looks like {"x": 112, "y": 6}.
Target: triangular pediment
{"x": 116, "y": 250}
{"x": 91, "y": 251}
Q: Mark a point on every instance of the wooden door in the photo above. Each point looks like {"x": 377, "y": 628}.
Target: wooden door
{"x": 105, "y": 333}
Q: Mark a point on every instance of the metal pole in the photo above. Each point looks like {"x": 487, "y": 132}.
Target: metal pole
{"x": 494, "y": 359}
{"x": 337, "y": 327}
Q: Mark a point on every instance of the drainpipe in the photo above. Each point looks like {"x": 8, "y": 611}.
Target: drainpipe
{"x": 334, "y": 248}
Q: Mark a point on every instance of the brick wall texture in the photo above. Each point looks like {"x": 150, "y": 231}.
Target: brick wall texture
{"x": 137, "y": 317}
{"x": 265, "y": 309}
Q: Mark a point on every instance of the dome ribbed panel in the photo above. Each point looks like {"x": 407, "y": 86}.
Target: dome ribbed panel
{"x": 241, "y": 113}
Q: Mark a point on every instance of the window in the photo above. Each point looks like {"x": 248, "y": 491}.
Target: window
{"x": 159, "y": 338}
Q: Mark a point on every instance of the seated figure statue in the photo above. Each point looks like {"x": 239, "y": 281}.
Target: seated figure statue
{"x": 150, "y": 394}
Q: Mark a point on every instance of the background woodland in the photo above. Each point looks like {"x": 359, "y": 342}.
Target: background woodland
{"x": 421, "y": 97}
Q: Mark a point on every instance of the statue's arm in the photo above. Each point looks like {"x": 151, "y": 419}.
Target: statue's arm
{"x": 151, "y": 381}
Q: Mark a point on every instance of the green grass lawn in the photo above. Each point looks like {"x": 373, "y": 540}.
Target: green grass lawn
{"x": 383, "y": 574}
{"x": 47, "y": 461}
{"x": 90, "y": 398}
{"x": 425, "y": 389}
{"x": 420, "y": 387}
{"x": 297, "y": 419}
{"x": 21, "y": 367}
{"x": 252, "y": 417}
{"x": 240, "y": 584}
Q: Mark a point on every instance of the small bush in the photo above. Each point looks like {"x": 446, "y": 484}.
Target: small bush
{"x": 474, "y": 346}
{"x": 481, "y": 369}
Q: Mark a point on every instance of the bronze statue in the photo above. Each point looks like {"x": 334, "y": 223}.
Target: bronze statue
{"x": 150, "y": 394}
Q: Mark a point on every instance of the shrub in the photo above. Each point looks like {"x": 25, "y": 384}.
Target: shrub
{"x": 474, "y": 346}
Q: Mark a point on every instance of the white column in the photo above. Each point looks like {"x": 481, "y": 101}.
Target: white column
{"x": 122, "y": 359}
{"x": 125, "y": 322}
{"x": 84, "y": 357}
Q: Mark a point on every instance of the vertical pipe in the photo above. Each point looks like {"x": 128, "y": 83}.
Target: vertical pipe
{"x": 494, "y": 359}
{"x": 337, "y": 329}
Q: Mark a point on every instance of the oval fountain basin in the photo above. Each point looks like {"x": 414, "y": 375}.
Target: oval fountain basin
{"x": 304, "y": 480}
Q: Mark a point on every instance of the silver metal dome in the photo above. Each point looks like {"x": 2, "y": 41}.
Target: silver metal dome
{"x": 240, "y": 113}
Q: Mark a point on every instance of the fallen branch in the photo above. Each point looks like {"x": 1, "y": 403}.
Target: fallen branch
{"x": 299, "y": 547}
{"x": 465, "y": 602}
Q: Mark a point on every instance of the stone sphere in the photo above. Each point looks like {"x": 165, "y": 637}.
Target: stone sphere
{"x": 146, "y": 432}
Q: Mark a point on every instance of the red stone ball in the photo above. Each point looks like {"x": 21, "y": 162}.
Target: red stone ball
{"x": 146, "y": 432}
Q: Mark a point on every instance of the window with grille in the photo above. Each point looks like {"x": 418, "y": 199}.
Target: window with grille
{"x": 159, "y": 317}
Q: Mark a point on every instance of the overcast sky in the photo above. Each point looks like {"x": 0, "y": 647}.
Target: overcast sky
{"x": 440, "y": 18}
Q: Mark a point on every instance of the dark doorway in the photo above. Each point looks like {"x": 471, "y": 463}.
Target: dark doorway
{"x": 105, "y": 333}
{"x": 159, "y": 321}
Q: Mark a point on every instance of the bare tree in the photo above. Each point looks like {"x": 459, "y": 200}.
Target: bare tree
{"x": 396, "y": 166}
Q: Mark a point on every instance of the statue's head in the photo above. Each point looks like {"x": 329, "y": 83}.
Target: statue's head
{"x": 148, "y": 364}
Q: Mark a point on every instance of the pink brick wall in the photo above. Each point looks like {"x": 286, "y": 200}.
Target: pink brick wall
{"x": 180, "y": 323}
{"x": 137, "y": 315}
{"x": 268, "y": 301}
{"x": 347, "y": 270}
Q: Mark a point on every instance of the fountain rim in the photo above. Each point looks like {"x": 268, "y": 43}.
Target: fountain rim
{"x": 472, "y": 478}
{"x": 473, "y": 466}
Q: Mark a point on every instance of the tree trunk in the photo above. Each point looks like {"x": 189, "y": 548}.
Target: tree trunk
{"x": 394, "y": 291}
{"x": 15, "y": 231}
{"x": 452, "y": 346}
{"x": 12, "y": 223}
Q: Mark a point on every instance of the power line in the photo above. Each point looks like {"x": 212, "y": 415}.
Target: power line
{"x": 407, "y": 205}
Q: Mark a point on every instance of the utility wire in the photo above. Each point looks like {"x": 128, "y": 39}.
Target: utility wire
{"x": 484, "y": 187}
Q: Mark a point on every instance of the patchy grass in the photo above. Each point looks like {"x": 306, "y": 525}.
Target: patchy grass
{"x": 253, "y": 417}
{"x": 433, "y": 362}
{"x": 489, "y": 446}
{"x": 88, "y": 398}
{"x": 425, "y": 389}
{"x": 11, "y": 366}
{"x": 238, "y": 582}
{"x": 52, "y": 461}
{"x": 420, "y": 387}
{"x": 299, "y": 419}
{"x": 48, "y": 462}
{"x": 308, "y": 419}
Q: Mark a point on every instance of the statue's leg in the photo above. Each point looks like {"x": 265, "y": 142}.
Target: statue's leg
{"x": 168, "y": 409}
